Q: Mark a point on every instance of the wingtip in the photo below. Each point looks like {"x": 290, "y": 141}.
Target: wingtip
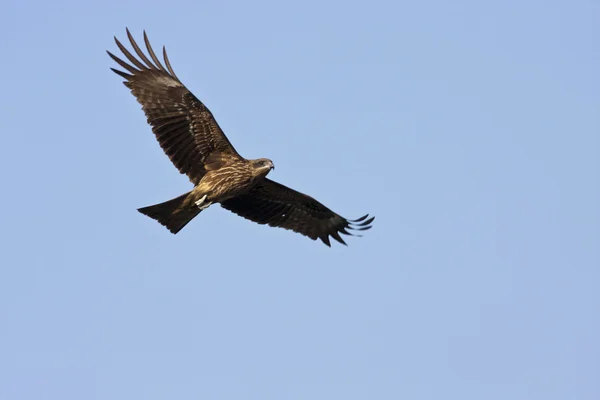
{"x": 363, "y": 223}
{"x": 359, "y": 219}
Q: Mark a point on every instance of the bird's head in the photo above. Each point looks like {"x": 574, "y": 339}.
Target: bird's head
{"x": 262, "y": 166}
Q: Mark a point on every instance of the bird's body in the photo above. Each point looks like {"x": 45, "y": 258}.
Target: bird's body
{"x": 232, "y": 179}
{"x": 191, "y": 137}
{"x": 216, "y": 186}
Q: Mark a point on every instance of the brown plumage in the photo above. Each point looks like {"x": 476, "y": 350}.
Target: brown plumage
{"x": 189, "y": 134}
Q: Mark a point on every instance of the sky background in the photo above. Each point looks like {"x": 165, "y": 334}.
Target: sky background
{"x": 470, "y": 129}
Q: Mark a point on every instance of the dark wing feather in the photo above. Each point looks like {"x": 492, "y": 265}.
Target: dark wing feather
{"x": 274, "y": 204}
{"x": 185, "y": 129}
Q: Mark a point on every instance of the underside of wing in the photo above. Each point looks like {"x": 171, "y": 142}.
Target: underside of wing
{"x": 276, "y": 205}
{"x": 184, "y": 127}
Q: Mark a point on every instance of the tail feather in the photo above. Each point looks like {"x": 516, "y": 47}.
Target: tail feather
{"x": 171, "y": 213}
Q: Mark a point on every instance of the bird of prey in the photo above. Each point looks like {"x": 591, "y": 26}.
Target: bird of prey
{"x": 189, "y": 134}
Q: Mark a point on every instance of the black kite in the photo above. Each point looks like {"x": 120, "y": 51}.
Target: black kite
{"x": 189, "y": 134}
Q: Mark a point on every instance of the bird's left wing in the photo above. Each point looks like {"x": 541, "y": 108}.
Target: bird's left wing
{"x": 184, "y": 127}
{"x": 277, "y": 205}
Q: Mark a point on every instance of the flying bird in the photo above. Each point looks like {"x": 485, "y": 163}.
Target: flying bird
{"x": 189, "y": 134}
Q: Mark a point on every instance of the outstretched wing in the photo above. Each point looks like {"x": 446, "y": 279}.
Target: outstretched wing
{"x": 274, "y": 204}
{"x": 186, "y": 130}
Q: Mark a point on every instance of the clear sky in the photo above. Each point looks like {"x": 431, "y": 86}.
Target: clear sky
{"x": 470, "y": 129}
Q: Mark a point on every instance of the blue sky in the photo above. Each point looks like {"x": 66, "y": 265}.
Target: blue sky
{"x": 470, "y": 129}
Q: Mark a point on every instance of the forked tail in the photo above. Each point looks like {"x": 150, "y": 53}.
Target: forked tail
{"x": 172, "y": 213}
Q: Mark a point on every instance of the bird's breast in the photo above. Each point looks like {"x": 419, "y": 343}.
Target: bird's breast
{"x": 226, "y": 182}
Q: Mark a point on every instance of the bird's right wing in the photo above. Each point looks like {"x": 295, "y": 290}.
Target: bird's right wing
{"x": 184, "y": 127}
{"x": 277, "y": 205}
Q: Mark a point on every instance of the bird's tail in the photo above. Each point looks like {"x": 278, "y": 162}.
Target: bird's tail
{"x": 172, "y": 213}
